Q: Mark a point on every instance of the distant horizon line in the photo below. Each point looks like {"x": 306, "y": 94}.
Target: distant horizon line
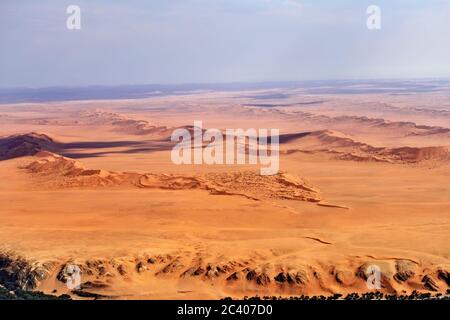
{"x": 142, "y": 91}
{"x": 218, "y": 83}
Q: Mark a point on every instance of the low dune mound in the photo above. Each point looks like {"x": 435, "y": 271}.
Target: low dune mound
{"x": 255, "y": 186}
{"x": 344, "y": 147}
{"x": 125, "y": 124}
{"x": 25, "y": 145}
{"x": 332, "y": 136}
{"x": 325, "y": 140}
{"x": 247, "y": 184}
{"x": 378, "y": 125}
{"x": 169, "y": 182}
{"x": 60, "y": 171}
{"x": 408, "y": 128}
{"x": 432, "y": 131}
{"x": 334, "y": 143}
{"x": 410, "y": 154}
{"x": 65, "y": 172}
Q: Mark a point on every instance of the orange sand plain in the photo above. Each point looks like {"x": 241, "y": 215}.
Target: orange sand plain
{"x": 358, "y": 189}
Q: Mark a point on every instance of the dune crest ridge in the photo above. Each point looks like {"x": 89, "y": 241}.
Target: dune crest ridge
{"x": 344, "y": 147}
{"x": 20, "y": 145}
{"x": 56, "y": 170}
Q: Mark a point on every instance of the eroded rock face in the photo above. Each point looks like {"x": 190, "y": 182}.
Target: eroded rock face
{"x": 122, "y": 269}
{"x": 235, "y": 276}
{"x": 344, "y": 277}
{"x": 212, "y": 271}
{"x": 444, "y": 275}
{"x": 292, "y": 277}
{"x": 171, "y": 267}
{"x": 16, "y": 272}
{"x": 258, "y": 277}
{"x": 405, "y": 270}
{"x": 98, "y": 276}
{"x": 141, "y": 266}
{"x": 387, "y": 270}
{"x": 429, "y": 283}
{"x": 68, "y": 272}
{"x": 193, "y": 272}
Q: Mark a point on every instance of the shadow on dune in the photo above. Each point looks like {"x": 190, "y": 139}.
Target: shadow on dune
{"x": 285, "y": 138}
{"x": 79, "y": 150}
{"x": 81, "y": 155}
{"x": 31, "y": 143}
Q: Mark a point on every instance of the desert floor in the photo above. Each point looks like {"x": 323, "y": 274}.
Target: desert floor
{"x": 364, "y": 180}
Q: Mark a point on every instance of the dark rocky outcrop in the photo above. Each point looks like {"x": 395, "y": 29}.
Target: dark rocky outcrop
{"x": 25, "y": 145}
{"x": 444, "y": 275}
{"x": 292, "y": 278}
{"x": 405, "y": 269}
{"x": 429, "y": 283}
{"x": 18, "y": 273}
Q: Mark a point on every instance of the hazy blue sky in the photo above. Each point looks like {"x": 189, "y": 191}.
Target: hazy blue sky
{"x": 186, "y": 41}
